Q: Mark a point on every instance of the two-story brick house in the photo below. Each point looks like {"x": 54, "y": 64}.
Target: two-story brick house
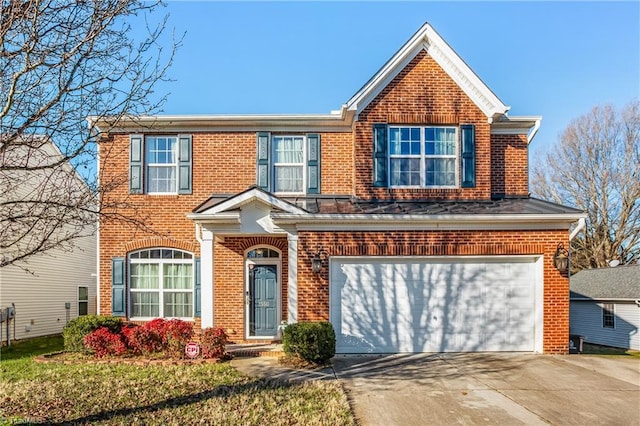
{"x": 404, "y": 218}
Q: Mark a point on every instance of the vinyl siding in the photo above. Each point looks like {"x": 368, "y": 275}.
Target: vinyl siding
{"x": 40, "y": 297}
{"x": 586, "y": 320}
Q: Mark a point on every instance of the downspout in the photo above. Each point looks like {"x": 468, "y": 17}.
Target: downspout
{"x": 581, "y": 224}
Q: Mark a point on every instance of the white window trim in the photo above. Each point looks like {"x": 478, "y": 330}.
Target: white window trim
{"x": 423, "y": 156}
{"x": 274, "y": 165}
{"x": 83, "y": 301}
{"x": 613, "y": 315}
{"x": 160, "y": 290}
{"x": 148, "y": 165}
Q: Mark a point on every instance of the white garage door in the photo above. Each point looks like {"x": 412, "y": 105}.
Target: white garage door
{"x": 388, "y": 305}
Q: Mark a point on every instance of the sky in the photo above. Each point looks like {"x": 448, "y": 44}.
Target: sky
{"x": 553, "y": 59}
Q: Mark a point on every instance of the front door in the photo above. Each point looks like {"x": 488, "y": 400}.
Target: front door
{"x": 263, "y": 300}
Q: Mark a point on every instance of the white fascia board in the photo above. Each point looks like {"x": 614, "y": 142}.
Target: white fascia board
{"x": 226, "y": 217}
{"x": 286, "y": 218}
{"x": 522, "y": 125}
{"x": 341, "y": 120}
{"x": 246, "y": 198}
{"x": 428, "y": 39}
{"x": 423, "y": 226}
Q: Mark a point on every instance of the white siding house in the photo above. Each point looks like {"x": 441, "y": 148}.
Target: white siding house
{"x": 50, "y": 288}
{"x": 605, "y": 306}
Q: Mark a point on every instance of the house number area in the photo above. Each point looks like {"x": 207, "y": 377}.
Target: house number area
{"x": 263, "y": 304}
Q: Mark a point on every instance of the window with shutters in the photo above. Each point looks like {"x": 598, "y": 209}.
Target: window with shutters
{"x": 425, "y": 156}
{"x": 288, "y": 164}
{"x": 161, "y": 284}
{"x": 160, "y": 164}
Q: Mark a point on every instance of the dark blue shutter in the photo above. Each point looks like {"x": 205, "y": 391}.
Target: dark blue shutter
{"x": 313, "y": 163}
{"x": 197, "y": 305}
{"x": 184, "y": 164}
{"x": 380, "y": 155}
{"x": 117, "y": 287}
{"x": 136, "y": 167}
{"x": 263, "y": 172}
{"x": 468, "y": 155}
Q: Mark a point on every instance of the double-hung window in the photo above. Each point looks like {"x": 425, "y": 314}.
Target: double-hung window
{"x": 288, "y": 164}
{"x": 83, "y": 300}
{"x": 161, "y": 284}
{"x": 162, "y": 164}
{"x": 425, "y": 156}
{"x": 608, "y": 315}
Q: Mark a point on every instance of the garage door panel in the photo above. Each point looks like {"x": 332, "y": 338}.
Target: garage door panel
{"x": 399, "y": 305}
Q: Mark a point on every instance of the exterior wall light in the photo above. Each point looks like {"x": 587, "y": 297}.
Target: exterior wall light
{"x": 561, "y": 259}
{"x": 319, "y": 260}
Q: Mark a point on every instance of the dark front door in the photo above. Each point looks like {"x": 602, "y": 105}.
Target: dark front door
{"x": 263, "y": 300}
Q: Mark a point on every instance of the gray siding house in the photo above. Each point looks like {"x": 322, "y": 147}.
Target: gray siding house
{"x": 605, "y": 306}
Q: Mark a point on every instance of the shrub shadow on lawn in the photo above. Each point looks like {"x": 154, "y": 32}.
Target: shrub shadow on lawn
{"x": 221, "y": 391}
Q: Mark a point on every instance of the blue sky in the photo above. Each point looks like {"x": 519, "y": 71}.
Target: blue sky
{"x": 555, "y": 59}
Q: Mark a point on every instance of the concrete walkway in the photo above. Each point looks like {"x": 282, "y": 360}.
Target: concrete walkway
{"x": 470, "y": 389}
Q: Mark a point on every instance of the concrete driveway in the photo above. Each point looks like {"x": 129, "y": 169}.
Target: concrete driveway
{"x": 499, "y": 389}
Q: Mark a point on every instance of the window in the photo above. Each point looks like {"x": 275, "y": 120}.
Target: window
{"x": 160, "y": 164}
{"x": 83, "y": 301}
{"x": 161, "y": 284}
{"x": 608, "y": 316}
{"x": 288, "y": 164}
{"x": 263, "y": 253}
{"x": 423, "y": 156}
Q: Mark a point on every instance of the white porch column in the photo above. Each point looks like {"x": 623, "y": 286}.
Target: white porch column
{"x": 206, "y": 277}
{"x": 292, "y": 284}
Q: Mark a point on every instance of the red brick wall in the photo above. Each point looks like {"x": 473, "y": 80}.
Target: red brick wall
{"x": 223, "y": 162}
{"x": 313, "y": 290}
{"x": 421, "y": 94}
{"x": 509, "y": 165}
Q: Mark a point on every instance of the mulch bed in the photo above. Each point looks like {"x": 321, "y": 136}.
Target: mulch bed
{"x": 75, "y": 358}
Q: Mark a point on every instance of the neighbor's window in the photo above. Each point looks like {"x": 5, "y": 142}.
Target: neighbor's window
{"x": 161, "y": 157}
{"x": 608, "y": 316}
{"x": 161, "y": 284}
{"x": 288, "y": 163}
{"x": 423, "y": 156}
{"x": 83, "y": 301}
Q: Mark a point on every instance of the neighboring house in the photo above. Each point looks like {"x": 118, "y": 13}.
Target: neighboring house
{"x": 51, "y": 288}
{"x": 605, "y": 306}
{"x": 412, "y": 199}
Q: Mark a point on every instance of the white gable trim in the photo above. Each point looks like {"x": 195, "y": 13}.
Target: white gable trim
{"x": 247, "y": 197}
{"x": 428, "y": 39}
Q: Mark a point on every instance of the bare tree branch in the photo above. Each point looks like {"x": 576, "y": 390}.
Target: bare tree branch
{"x": 596, "y": 168}
{"x": 61, "y": 62}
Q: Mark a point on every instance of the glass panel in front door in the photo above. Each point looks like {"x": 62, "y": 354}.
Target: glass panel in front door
{"x": 263, "y": 304}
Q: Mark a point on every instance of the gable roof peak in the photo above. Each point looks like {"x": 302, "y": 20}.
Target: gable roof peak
{"x": 426, "y": 38}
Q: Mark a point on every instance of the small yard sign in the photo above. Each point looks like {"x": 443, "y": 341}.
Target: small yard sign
{"x": 192, "y": 349}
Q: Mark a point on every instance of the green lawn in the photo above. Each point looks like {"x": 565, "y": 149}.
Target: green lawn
{"x": 590, "y": 349}
{"x": 217, "y": 394}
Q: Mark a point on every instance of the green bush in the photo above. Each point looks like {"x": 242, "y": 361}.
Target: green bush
{"x": 76, "y": 329}
{"x": 312, "y": 341}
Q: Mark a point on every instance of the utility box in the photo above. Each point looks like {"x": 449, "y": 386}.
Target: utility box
{"x": 575, "y": 344}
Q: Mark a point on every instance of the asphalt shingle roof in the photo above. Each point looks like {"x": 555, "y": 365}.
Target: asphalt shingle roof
{"x": 621, "y": 282}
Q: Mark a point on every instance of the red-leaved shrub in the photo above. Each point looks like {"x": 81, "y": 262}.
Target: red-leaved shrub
{"x": 143, "y": 341}
{"x": 177, "y": 334}
{"x": 126, "y": 331}
{"x": 213, "y": 342}
{"x": 104, "y": 342}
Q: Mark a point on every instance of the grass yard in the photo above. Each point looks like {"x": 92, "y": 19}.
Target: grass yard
{"x": 591, "y": 349}
{"x": 215, "y": 394}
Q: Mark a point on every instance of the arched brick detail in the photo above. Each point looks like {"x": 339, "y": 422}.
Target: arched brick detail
{"x": 280, "y": 243}
{"x": 162, "y": 242}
